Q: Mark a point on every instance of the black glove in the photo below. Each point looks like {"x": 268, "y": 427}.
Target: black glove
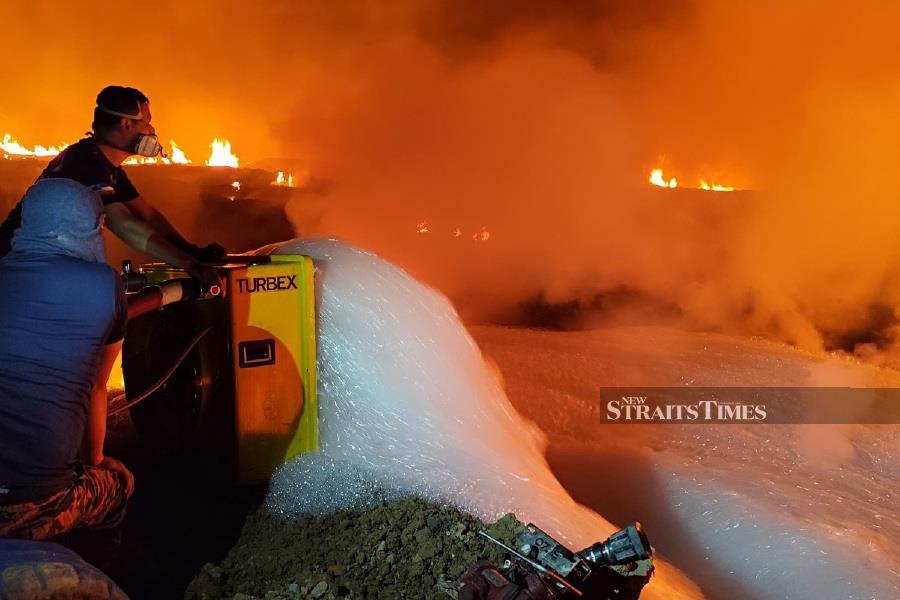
{"x": 210, "y": 253}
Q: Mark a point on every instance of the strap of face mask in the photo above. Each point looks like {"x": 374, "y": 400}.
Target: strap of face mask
{"x": 138, "y": 117}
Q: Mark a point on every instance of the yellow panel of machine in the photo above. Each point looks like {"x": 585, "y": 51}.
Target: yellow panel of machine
{"x": 274, "y": 354}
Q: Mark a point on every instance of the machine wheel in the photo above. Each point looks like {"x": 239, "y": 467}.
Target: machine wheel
{"x": 170, "y": 417}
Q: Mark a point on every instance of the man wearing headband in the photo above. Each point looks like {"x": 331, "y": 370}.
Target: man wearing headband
{"x": 122, "y": 128}
{"x": 62, "y": 320}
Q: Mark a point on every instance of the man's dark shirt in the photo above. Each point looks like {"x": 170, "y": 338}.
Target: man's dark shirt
{"x": 56, "y": 315}
{"x": 85, "y": 163}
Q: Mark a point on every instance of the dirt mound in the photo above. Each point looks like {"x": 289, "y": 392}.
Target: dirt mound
{"x": 407, "y": 548}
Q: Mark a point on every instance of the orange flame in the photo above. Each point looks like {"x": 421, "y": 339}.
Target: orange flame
{"x": 714, "y": 187}
{"x": 145, "y": 160}
{"x": 177, "y": 155}
{"x": 10, "y": 147}
{"x": 116, "y": 380}
{"x": 656, "y": 178}
{"x": 221, "y": 155}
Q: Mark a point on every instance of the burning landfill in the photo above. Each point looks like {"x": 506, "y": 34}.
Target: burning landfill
{"x": 389, "y": 298}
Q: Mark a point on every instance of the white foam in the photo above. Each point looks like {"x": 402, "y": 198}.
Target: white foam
{"x": 406, "y": 398}
{"x": 408, "y": 405}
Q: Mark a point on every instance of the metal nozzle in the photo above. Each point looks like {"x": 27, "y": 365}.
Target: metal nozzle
{"x": 621, "y": 548}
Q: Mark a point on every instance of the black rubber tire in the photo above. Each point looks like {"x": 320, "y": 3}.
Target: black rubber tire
{"x": 168, "y": 418}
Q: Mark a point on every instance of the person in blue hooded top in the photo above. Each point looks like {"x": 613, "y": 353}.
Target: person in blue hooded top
{"x": 62, "y": 321}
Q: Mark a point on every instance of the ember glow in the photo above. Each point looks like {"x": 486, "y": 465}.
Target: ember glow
{"x": 482, "y": 235}
{"x": 221, "y": 155}
{"x": 280, "y": 179}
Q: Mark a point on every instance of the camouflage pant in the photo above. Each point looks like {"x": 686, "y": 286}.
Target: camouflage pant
{"x": 94, "y": 503}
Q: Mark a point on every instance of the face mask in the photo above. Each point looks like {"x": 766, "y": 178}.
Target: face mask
{"x": 147, "y": 145}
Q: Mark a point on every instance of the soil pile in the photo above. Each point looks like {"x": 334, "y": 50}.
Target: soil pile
{"x": 406, "y": 548}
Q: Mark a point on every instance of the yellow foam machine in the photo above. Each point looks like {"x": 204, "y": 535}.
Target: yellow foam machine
{"x": 231, "y": 380}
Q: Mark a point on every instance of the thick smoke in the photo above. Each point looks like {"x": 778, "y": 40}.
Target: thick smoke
{"x": 538, "y": 122}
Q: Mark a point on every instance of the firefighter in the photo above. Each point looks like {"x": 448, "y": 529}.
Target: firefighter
{"x": 122, "y": 128}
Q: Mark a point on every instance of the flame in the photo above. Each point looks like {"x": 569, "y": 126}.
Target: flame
{"x": 482, "y": 236}
{"x": 177, "y": 155}
{"x": 280, "y": 180}
{"x": 11, "y": 147}
{"x": 422, "y": 227}
{"x": 49, "y": 150}
{"x": 457, "y": 232}
{"x": 145, "y": 160}
{"x": 656, "y": 178}
{"x": 714, "y": 187}
{"x": 220, "y": 155}
{"x": 116, "y": 380}
{"x": 236, "y": 185}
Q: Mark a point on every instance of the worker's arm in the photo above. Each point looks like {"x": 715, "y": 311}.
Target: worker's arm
{"x": 135, "y": 231}
{"x": 158, "y": 222}
{"x": 132, "y": 229}
{"x": 95, "y": 432}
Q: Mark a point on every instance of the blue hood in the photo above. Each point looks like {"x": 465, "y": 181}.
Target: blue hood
{"x": 61, "y": 216}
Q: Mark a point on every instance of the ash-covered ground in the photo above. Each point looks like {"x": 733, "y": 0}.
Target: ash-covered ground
{"x": 406, "y": 548}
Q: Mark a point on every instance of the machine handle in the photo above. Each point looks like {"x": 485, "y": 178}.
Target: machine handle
{"x": 241, "y": 259}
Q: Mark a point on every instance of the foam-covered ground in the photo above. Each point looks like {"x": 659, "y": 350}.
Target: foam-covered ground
{"x": 760, "y": 511}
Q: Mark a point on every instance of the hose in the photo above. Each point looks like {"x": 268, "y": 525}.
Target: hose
{"x": 162, "y": 380}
